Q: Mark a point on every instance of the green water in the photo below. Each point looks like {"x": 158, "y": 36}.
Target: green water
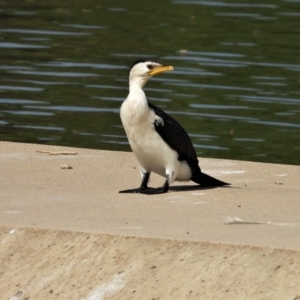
{"x": 235, "y": 88}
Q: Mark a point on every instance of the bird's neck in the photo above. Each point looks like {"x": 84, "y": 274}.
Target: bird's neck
{"x": 136, "y": 96}
{"x": 137, "y": 83}
{"x": 135, "y": 108}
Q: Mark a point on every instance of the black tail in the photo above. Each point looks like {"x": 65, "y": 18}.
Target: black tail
{"x": 206, "y": 180}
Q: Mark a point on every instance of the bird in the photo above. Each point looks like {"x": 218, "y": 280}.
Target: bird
{"x": 158, "y": 141}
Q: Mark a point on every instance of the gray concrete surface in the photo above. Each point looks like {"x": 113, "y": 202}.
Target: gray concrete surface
{"x": 263, "y": 202}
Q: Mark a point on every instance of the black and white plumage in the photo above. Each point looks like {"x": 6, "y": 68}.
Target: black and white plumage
{"x": 159, "y": 143}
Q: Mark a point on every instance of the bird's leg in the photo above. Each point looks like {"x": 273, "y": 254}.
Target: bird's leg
{"x": 143, "y": 187}
{"x": 145, "y": 179}
{"x": 160, "y": 190}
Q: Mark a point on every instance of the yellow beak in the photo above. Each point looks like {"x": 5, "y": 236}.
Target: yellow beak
{"x": 160, "y": 69}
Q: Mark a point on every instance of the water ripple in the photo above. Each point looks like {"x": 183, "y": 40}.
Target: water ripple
{"x": 225, "y": 4}
{"x": 271, "y": 123}
{"x": 231, "y": 63}
{"x": 57, "y": 74}
{"x": 75, "y": 108}
{"x": 50, "y": 82}
{"x": 21, "y": 46}
{"x": 214, "y": 54}
{"x": 80, "y": 26}
{"x": 100, "y": 86}
{"x": 208, "y": 61}
{"x": 216, "y": 116}
{"x": 119, "y": 99}
{"x": 28, "y": 113}
{"x": 39, "y": 127}
{"x": 197, "y": 146}
{"x": 20, "y": 88}
{"x": 20, "y": 101}
{"x": 5, "y": 67}
{"x": 213, "y": 106}
{"x": 81, "y": 65}
{"x": 249, "y": 140}
{"x": 213, "y": 86}
{"x": 42, "y": 32}
{"x": 268, "y": 99}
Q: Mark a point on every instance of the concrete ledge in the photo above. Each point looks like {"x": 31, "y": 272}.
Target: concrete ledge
{"x": 51, "y": 264}
{"x": 223, "y": 243}
{"x": 36, "y": 192}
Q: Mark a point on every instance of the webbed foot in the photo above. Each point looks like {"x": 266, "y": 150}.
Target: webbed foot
{"x": 146, "y": 191}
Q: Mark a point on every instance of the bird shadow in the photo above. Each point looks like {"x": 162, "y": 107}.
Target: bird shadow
{"x": 184, "y": 188}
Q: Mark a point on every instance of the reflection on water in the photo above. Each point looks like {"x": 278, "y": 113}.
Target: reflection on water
{"x": 235, "y": 87}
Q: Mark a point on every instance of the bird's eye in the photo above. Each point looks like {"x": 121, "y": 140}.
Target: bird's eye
{"x": 150, "y": 67}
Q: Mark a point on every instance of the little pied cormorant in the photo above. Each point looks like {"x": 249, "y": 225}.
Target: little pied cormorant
{"x": 159, "y": 143}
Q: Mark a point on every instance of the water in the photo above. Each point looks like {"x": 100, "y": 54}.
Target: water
{"x": 235, "y": 88}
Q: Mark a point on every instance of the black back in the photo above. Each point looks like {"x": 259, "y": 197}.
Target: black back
{"x": 176, "y": 137}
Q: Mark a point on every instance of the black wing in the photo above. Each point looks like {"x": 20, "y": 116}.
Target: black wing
{"x": 175, "y": 136}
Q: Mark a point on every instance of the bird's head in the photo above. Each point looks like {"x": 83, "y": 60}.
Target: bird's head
{"x": 142, "y": 70}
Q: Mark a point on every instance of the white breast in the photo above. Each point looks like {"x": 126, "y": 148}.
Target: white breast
{"x": 151, "y": 151}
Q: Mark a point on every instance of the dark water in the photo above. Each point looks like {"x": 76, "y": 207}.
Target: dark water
{"x": 235, "y": 88}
